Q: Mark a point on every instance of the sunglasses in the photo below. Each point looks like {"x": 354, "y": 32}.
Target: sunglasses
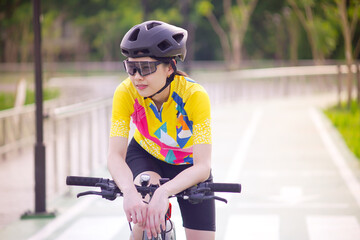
{"x": 144, "y": 68}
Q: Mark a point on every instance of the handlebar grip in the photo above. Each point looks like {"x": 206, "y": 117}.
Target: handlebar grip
{"x": 225, "y": 187}
{"x": 82, "y": 181}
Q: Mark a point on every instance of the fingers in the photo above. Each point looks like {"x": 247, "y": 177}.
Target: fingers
{"x": 163, "y": 224}
{"x": 157, "y": 224}
{"x": 154, "y": 225}
{"x": 137, "y": 215}
{"x": 128, "y": 216}
{"x": 151, "y": 228}
{"x": 141, "y": 217}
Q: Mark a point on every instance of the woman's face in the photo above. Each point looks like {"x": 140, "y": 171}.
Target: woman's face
{"x": 150, "y": 84}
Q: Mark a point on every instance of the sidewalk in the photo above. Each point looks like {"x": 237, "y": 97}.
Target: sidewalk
{"x": 299, "y": 181}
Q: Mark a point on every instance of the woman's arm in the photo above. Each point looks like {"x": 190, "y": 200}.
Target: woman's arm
{"x": 199, "y": 172}
{"x": 117, "y": 166}
{"x": 134, "y": 207}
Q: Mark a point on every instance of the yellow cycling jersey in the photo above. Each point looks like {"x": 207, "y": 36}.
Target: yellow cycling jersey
{"x": 169, "y": 133}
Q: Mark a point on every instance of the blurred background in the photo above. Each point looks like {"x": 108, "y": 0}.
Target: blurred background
{"x": 244, "y": 50}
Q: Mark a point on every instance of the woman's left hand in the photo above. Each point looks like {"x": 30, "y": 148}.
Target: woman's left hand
{"x": 157, "y": 209}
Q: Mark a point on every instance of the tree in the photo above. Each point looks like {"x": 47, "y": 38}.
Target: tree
{"x": 237, "y": 19}
{"x": 16, "y": 29}
{"x": 320, "y": 33}
{"x": 349, "y": 16}
{"x": 293, "y": 31}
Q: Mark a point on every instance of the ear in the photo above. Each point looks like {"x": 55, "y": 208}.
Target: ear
{"x": 171, "y": 70}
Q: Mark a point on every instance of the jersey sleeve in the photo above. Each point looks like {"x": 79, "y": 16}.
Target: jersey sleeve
{"x": 199, "y": 106}
{"x": 121, "y": 112}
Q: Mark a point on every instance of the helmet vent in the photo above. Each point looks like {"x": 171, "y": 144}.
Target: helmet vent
{"x": 152, "y": 25}
{"x": 164, "y": 45}
{"x": 134, "y": 35}
{"x": 142, "y": 52}
{"x": 178, "y": 37}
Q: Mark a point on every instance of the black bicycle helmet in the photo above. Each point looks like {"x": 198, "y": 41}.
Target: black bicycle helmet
{"x": 154, "y": 39}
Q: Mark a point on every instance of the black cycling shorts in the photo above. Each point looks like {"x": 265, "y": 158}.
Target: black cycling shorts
{"x": 195, "y": 216}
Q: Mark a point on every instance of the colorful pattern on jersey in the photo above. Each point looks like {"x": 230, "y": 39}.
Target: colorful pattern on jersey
{"x": 166, "y": 134}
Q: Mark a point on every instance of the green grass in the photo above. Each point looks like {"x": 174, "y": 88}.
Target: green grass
{"x": 347, "y": 121}
{"x": 7, "y": 99}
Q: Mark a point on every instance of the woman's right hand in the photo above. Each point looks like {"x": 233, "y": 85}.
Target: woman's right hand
{"x": 135, "y": 209}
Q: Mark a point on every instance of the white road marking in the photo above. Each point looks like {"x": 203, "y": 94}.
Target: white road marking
{"x": 281, "y": 174}
{"x": 291, "y": 195}
{"x": 94, "y": 228}
{"x": 239, "y": 158}
{"x": 333, "y": 227}
{"x": 59, "y": 221}
{"x": 243, "y": 147}
{"x": 336, "y": 156}
{"x": 278, "y": 205}
{"x": 253, "y": 227}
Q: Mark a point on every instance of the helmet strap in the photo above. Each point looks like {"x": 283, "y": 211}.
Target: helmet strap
{"x": 168, "y": 80}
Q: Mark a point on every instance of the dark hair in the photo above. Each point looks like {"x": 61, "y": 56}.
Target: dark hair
{"x": 181, "y": 73}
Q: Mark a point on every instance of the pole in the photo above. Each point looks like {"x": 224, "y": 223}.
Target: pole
{"x": 40, "y": 167}
{"x": 40, "y": 184}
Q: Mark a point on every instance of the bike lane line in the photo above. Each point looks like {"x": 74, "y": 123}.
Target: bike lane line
{"x": 244, "y": 144}
{"x": 61, "y": 220}
{"x": 333, "y": 227}
{"x": 94, "y": 228}
{"x": 253, "y": 227}
{"x": 335, "y": 155}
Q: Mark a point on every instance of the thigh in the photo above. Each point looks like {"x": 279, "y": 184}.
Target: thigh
{"x": 198, "y": 216}
{"x": 140, "y": 161}
{"x": 199, "y": 234}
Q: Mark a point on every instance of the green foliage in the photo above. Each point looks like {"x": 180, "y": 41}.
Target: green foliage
{"x": 327, "y": 35}
{"x": 92, "y": 29}
{"x": 347, "y": 122}
{"x": 16, "y": 35}
{"x": 105, "y": 29}
{"x": 48, "y": 94}
{"x": 171, "y": 15}
{"x": 204, "y": 7}
{"x": 305, "y": 3}
{"x": 7, "y": 99}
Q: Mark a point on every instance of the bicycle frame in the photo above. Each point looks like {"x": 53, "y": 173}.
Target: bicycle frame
{"x": 164, "y": 235}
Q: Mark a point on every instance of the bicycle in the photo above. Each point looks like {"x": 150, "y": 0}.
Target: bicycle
{"x": 196, "y": 194}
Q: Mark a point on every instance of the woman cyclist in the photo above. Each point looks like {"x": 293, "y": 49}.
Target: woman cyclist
{"x": 172, "y": 138}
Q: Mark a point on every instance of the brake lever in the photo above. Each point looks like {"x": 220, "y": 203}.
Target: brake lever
{"x": 109, "y": 195}
{"x": 220, "y": 199}
{"x": 199, "y": 197}
{"x": 88, "y": 193}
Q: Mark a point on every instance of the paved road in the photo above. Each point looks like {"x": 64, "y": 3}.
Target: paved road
{"x": 295, "y": 172}
{"x": 299, "y": 181}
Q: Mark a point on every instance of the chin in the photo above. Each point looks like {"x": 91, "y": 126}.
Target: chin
{"x": 143, "y": 94}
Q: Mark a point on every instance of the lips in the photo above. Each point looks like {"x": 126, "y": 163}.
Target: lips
{"x": 141, "y": 86}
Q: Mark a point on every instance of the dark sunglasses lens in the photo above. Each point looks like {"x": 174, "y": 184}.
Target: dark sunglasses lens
{"x": 130, "y": 68}
{"x": 144, "y": 68}
{"x": 147, "y": 68}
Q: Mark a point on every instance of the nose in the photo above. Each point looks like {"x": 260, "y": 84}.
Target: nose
{"x": 137, "y": 76}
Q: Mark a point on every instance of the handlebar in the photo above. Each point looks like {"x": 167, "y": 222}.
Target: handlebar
{"x": 195, "y": 194}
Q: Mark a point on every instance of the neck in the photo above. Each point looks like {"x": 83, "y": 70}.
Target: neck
{"x": 162, "y": 97}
